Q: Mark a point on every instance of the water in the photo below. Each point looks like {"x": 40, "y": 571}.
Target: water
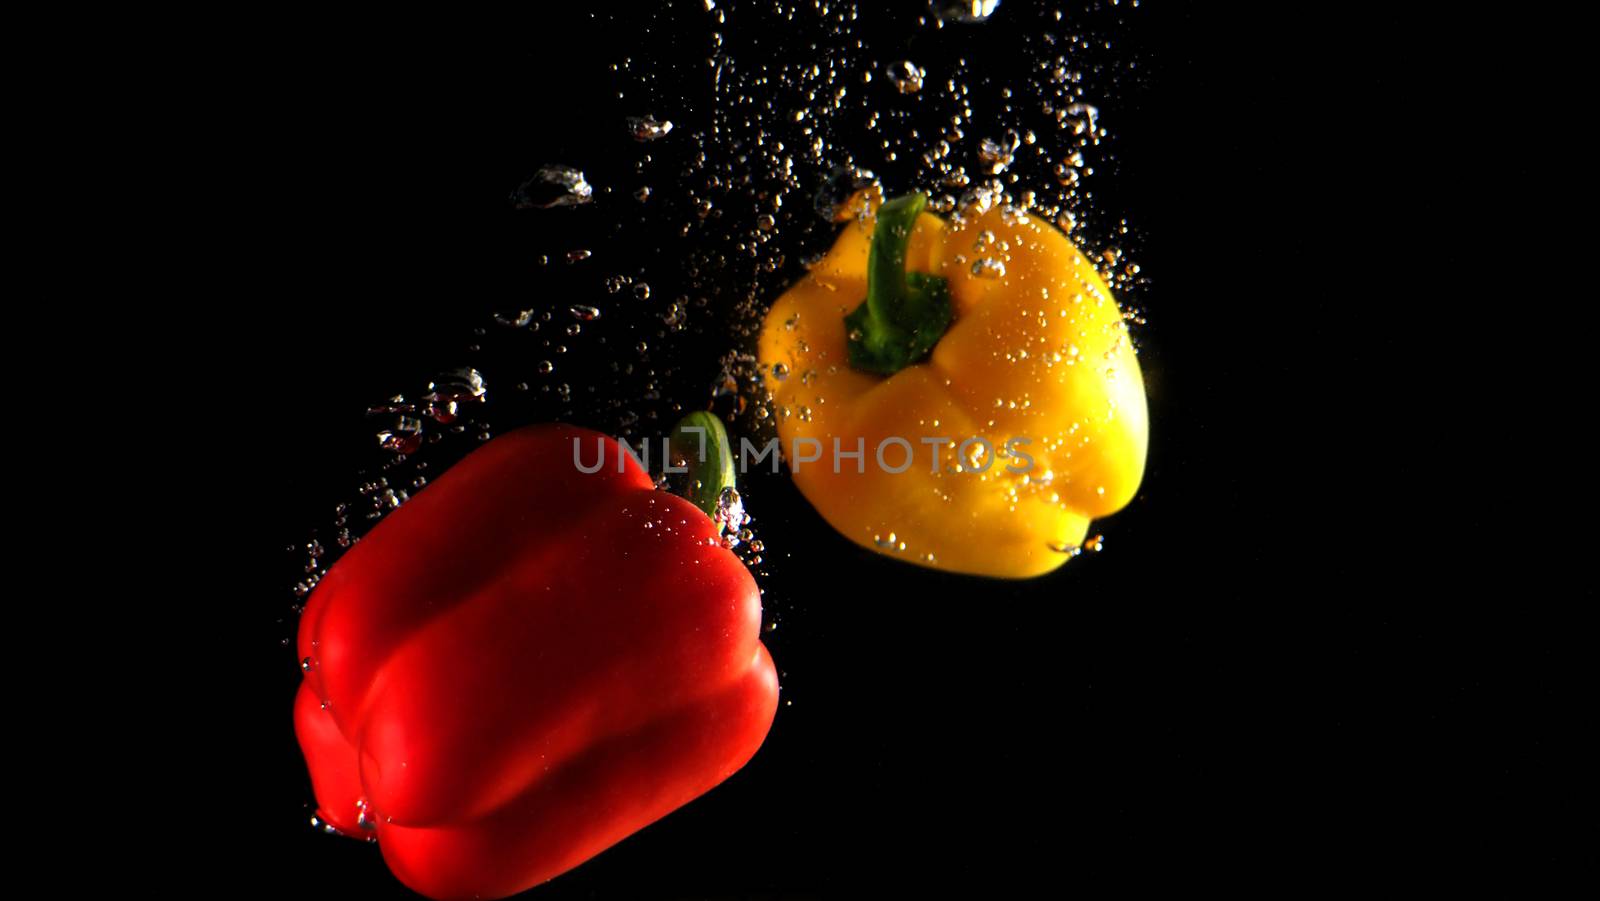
{"x": 644, "y": 273}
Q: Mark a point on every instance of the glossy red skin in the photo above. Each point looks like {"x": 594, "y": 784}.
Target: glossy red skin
{"x": 524, "y": 664}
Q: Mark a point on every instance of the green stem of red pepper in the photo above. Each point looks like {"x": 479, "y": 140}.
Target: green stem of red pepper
{"x": 905, "y": 313}
{"x": 702, "y": 443}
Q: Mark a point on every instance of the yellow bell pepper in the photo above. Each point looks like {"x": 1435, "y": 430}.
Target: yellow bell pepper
{"x": 995, "y": 333}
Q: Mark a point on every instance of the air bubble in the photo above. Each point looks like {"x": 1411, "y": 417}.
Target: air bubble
{"x": 967, "y": 12}
{"x": 404, "y": 438}
{"x": 519, "y": 319}
{"x": 906, "y": 76}
{"x": 552, "y": 186}
{"x": 1083, "y": 117}
{"x": 839, "y": 198}
{"x": 989, "y": 268}
{"x": 648, "y": 128}
{"x": 998, "y": 155}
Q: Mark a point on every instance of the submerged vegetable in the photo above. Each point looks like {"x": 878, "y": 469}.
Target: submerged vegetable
{"x": 527, "y": 662}
{"x": 989, "y": 355}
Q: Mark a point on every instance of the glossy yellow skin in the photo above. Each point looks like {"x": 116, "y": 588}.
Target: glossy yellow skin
{"x": 1041, "y": 353}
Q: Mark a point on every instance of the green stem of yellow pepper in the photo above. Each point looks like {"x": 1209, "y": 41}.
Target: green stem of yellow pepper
{"x": 905, "y": 313}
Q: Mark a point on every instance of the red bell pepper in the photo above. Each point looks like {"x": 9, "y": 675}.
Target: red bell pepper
{"x": 526, "y": 663}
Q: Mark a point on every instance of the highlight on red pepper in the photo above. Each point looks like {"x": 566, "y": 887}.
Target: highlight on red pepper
{"x": 528, "y": 662}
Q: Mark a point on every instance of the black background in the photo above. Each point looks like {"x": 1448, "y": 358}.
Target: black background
{"x": 1265, "y": 682}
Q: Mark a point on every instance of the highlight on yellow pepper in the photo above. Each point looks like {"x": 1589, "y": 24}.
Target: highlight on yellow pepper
{"x": 961, "y": 395}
